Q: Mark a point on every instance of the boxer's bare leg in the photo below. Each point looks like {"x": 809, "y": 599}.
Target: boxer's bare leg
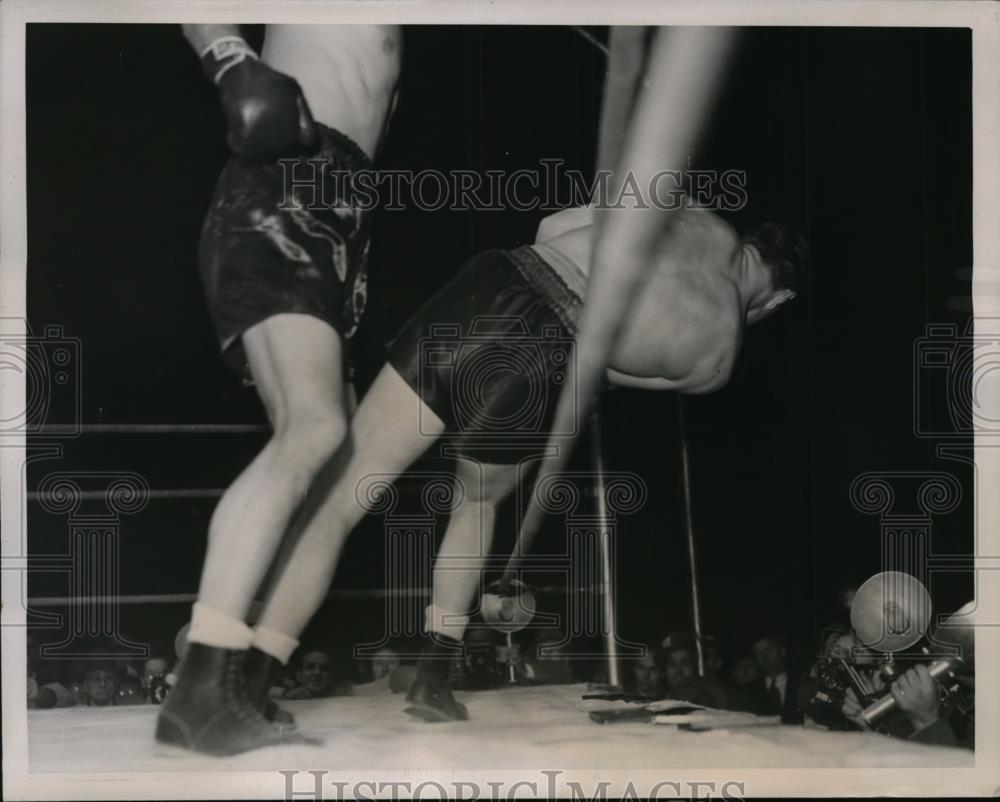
{"x": 469, "y": 536}
{"x": 457, "y": 573}
{"x": 296, "y": 364}
{"x": 392, "y": 427}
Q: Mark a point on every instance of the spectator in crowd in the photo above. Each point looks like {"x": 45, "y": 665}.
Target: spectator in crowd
{"x": 130, "y": 690}
{"x": 680, "y": 665}
{"x": 44, "y": 695}
{"x": 745, "y": 671}
{"x": 782, "y": 685}
{"x": 683, "y": 681}
{"x": 648, "y": 674}
{"x": 315, "y": 676}
{"x": 680, "y": 672}
{"x": 714, "y": 661}
{"x": 99, "y": 683}
{"x": 384, "y": 662}
{"x": 377, "y": 672}
{"x": 543, "y": 659}
{"x": 477, "y": 666}
{"x": 154, "y": 678}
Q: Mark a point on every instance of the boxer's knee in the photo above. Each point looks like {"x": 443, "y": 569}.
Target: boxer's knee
{"x": 305, "y": 439}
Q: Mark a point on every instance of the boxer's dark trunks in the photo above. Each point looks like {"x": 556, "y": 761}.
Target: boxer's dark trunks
{"x": 491, "y": 352}
{"x": 283, "y": 238}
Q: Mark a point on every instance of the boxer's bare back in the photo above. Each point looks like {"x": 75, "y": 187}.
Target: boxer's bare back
{"x": 685, "y": 329}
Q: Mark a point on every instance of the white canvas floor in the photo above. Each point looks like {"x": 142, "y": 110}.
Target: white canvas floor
{"x": 516, "y": 728}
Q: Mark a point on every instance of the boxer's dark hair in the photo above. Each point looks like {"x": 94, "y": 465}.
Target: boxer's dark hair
{"x": 784, "y": 251}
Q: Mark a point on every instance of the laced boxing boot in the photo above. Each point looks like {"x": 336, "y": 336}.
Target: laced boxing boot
{"x": 261, "y": 670}
{"x": 429, "y": 696}
{"x": 207, "y": 711}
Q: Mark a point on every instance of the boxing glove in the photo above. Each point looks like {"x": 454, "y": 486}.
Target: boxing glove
{"x": 265, "y": 110}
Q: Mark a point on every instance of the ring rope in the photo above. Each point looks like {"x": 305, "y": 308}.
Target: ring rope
{"x": 344, "y": 593}
{"x": 99, "y": 495}
{"x": 150, "y": 428}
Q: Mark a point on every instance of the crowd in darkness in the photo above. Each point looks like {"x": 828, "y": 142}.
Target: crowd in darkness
{"x": 764, "y": 675}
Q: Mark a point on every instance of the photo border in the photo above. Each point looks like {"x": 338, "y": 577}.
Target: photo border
{"x": 984, "y": 20}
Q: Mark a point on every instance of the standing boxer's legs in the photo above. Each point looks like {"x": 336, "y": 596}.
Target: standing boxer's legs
{"x": 284, "y": 269}
{"x": 296, "y": 363}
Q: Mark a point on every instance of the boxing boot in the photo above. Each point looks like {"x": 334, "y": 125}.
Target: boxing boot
{"x": 207, "y": 711}
{"x": 261, "y": 670}
{"x": 429, "y": 696}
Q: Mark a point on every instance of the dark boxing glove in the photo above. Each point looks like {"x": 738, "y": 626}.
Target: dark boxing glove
{"x": 266, "y": 112}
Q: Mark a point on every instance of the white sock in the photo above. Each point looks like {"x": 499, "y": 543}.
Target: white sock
{"x": 445, "y": 622}
{"x": 276, "y": 644}
{"x": 215, "y": 628}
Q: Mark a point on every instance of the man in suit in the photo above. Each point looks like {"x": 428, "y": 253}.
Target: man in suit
{"x": 781, "y": 683}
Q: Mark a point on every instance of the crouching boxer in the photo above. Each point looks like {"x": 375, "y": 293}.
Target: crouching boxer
{"x": 684, "y": 334}
{"x": 283, "y": 258}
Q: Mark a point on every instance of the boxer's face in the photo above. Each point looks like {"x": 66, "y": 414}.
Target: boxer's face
{"x": 769, "y": 303}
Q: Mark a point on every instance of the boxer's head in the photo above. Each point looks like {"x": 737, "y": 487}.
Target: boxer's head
{"x": 783, "y": 254}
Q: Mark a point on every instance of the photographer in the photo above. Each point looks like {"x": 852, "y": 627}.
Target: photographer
{"x": 919, "y": 697}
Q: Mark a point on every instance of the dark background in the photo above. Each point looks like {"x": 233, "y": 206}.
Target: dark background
{"x": 861, "y": 138}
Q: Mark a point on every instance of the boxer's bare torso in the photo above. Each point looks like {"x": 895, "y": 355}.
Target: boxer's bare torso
{"x": 348, "y": 73}
{"x": 685, "y": 328}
